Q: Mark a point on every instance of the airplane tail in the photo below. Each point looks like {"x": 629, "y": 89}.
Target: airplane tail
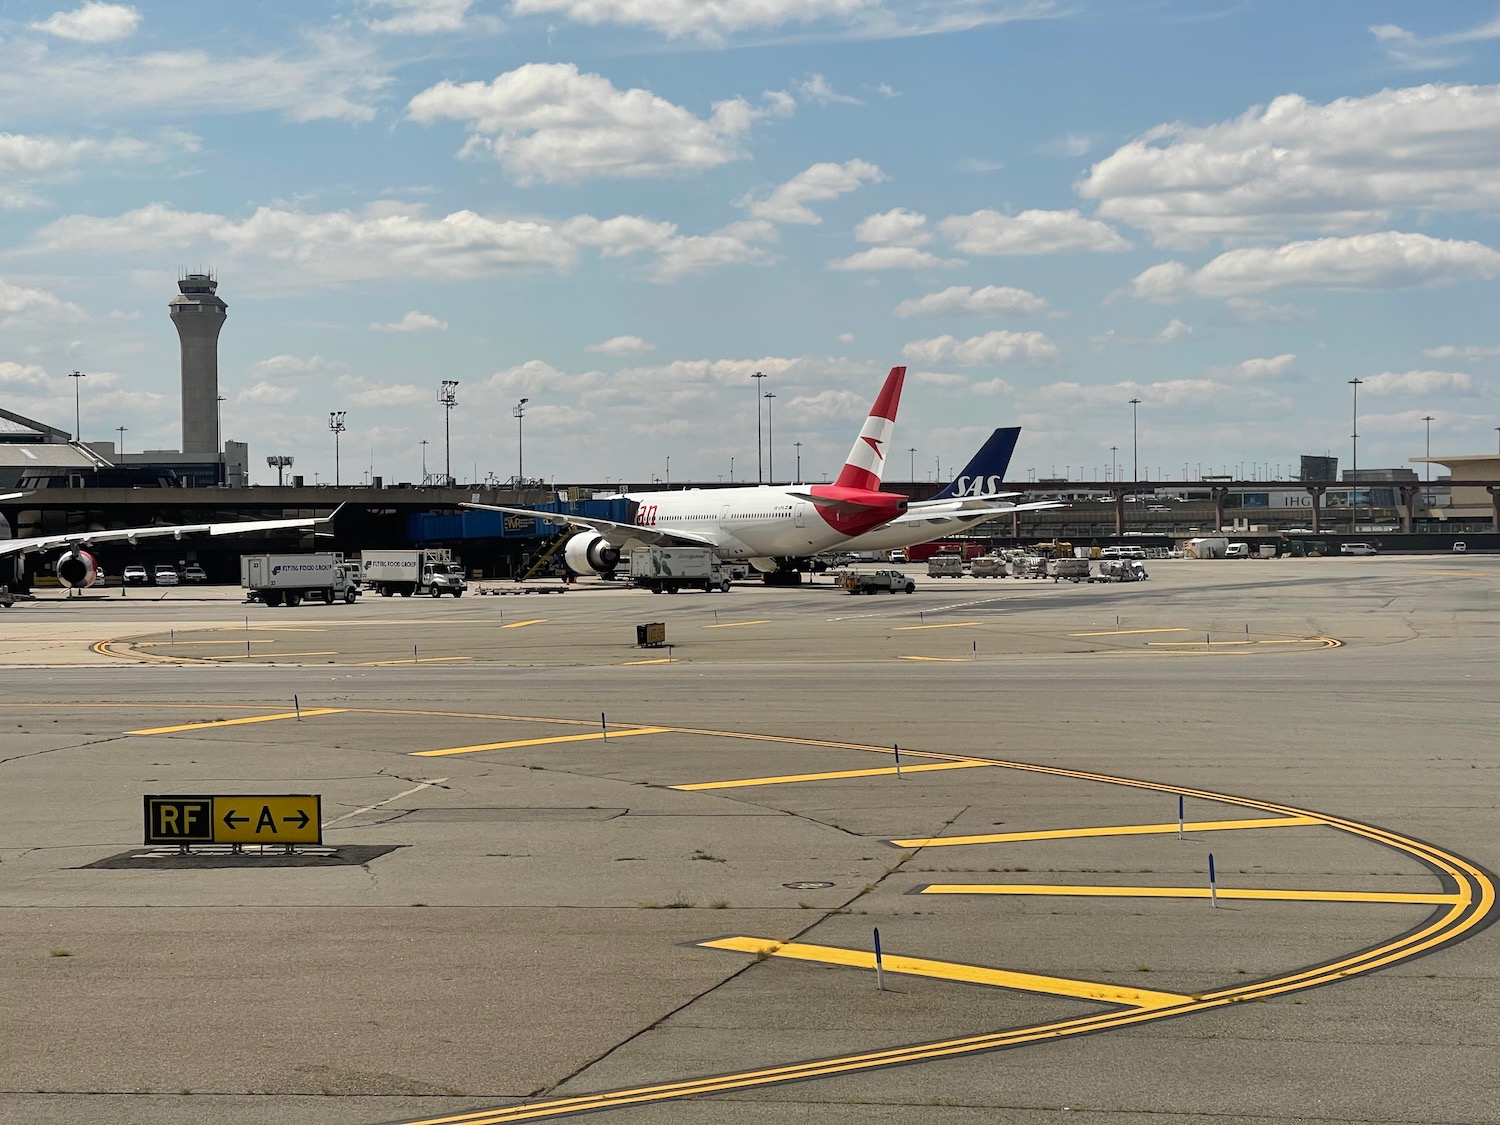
{"x": 866, "y": 463}
{"x": 985, "y": 472}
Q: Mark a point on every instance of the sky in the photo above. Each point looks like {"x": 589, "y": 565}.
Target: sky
{"x": 620, "y": 210}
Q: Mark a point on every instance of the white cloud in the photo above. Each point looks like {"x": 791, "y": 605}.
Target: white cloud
{"x": 381, "y": 241}
{"x": 991, "y": 300}
{"x": 33, "y": 158}
{"x": 1388, "y": 260}
{"x": 1416, "y": 52}
{"x": 845, "y": 337}
{"x": 356, "y": 390}
{"x": 413, "y": 321}
{"x": 815, "y": 88}
{"x": 1260, "y": 368}
{"x": 1030, "y": 232}
{"x": 940, "y": 379}
{"x": 22, "y": 305}
{"x": 15, "y": 375}
{"x": 421, "y": 17}
{"x": 788, "y": 202}
{"x": 715, "y": 20}
{"x": 1254, "y": 311}
{"x": 1170, "y": 392}
{"x": 992, "y": 347}
{"x": 287, "y": 366}
{"x": 893, "y": 258}
{"x": 622, "y": 345}
{"x": 1072, "y": 145}
{"x": 898, "y": 227}
{"x": 995, "y": 386}
{"x": 549, "y": 122}
{"x": 265, "y": 393}
{"x": 829, "y": 405}
{"x": 1471, "y": 351}
{"x": 1418, "y": 382}
{"x": 1175, "y": 330}
{"x": 332, "y": 78}
{"x": 1296, "y": 166}
{"x": 92, "y": 23}
{"x": 677, "y": 255}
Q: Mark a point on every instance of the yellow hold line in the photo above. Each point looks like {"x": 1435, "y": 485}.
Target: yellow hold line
{"x": 596, "y": 736}
{"x": 637, "y": 663}
{"x": 163, "y": 644}
{"x": 1111, "y": 830}
{"x": 937, "y": 659}
{"x": 309, "y": 713}
{"x": 788, "y": 779}
{"x": 950, "y": 970}
{"x": 523, "y": 624}
{"x": 944, "y": 625}
{"x": 737, "y": 624}
{"x": 1189, "y": 892}
{"x": 418, "y": 660}
{"x": 1125, "y": 632}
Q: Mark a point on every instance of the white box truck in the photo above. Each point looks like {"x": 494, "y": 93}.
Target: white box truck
{"x": 287, "y": 579}
{"x": 665, "y": 570}
{"x": 431, "y": 571}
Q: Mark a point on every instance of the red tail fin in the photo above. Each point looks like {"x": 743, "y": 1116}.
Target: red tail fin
{"x": 866, "y": 463}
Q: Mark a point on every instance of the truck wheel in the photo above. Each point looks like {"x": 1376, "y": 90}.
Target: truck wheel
{"x": 435, "y": 591}
{"x": 386, "y": 591}
{"x": 293, "y": 598}
{"x": 349, "y": 595}
{"x": 672, "y": 589}
{"x": 406, "y": 593}
{"x": 458, "y": 593}
{"x": 270, "y": 598}
{"x": 656, "y": 589}
{"x": 911, "y": 588}
{"x": 724, "y": 586}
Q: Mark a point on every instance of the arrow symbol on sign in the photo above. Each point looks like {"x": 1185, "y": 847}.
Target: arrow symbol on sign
{"x": 231, "y": 820}
{"x": 300, "y": 820}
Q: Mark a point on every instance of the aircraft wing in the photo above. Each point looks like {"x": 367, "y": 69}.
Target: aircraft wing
{"x": 969, "y": 515}
{"x": 827, "y": 502}
{"x": 177, "y": 531}
{"x": 959, "y": 503}
{"x": 610, "y": 529}
{"x": 12, "y": 495}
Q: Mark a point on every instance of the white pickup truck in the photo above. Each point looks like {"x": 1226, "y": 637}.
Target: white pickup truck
{"x": 876, "y": 582}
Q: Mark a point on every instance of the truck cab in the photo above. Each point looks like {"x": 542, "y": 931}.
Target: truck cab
{"x": 441, "y": 578}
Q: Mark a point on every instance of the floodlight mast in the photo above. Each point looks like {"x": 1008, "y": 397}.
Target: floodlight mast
{"x": 447, "y": 396}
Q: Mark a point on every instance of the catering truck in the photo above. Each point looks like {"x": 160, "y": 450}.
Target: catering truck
{"x": 287, "y": 579}
{"x": 431, "y": 571}
{"x": 665, "y": 570}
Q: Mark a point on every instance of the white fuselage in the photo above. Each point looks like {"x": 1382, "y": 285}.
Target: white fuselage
{"x": 759, "y": 521}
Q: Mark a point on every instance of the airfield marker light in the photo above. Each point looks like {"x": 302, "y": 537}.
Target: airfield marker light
{"x": 603, "y": 727}
{"x": 247, "y": 656}
{"x": 976, "y": 650}
{"x": 171, "y": 635}
{"x": 669, "y": 654}
{"x": 879, "y": 967}
{"x": 897, "y": 751}
{"x": 413, "y": 654}
{"x": 1213, "y": 890}
{"x": 296, "y": 703}
{"x": 1180, "y": 803}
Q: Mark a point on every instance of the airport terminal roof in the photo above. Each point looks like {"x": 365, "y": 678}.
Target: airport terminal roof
{"x": 18, "y": 428}
{"x": 31, "y": 455}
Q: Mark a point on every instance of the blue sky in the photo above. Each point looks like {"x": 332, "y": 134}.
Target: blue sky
{"x": 620, "y": 209}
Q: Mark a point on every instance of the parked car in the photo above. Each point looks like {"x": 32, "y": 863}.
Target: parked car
{"x": 1460, "y": 547}
{"x": 135, "y": 575}
{"x": 898, "y": 555}
{"x": 1356, "y": 549}
{"x": 165, "y": 575}
{"x": 1122, "y": 552}
{"x": 193, "y": 573}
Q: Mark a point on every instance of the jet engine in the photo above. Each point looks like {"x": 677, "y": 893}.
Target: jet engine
{"x": 588, "y": 552}
{"x": 76, "y": 568}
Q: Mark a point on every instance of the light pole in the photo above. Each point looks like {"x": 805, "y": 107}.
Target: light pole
{"x": 447, "y": 396}
{"x": 770, "y": 439}
{"x": 1354, "y": 467}
{"x": 913, "y": 452}
{"x": 121, "y": 431}
{"x": 281, "y": 462}
{"x": 1135, "y": 460}
{"x": 336, "y": 424}
{"x": 77, "y": 377}
{"x": 424, "y": 460}
{"x": 731, "y": 468}
{"x": 669, "y": 470}
{"x": 520, "y": 412}
{"x": 1114, "y": 463}
{"x": 1428, "y": 419}
{"x": 759, "y": 475}
{"x": 798, "y": 444}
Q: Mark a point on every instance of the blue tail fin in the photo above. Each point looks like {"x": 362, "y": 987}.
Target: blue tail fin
{"x": 986, "y": 471}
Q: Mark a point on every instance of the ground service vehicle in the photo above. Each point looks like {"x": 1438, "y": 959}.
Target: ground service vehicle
{"x": 876, "y": 582}
{"x": 431, "y": 571}
{"x": 988, "y": 566}
{"x": 669, "y": 569}
{"x": 287, "y": 579}
{"x": 165, "y": 575}
{"x": 1356, "y": 549}
{"x": 945, "y": 566}
{"x": 193, "y": 573}
{"x": 135, "y": 575}
{"x": 1074, "y": 570}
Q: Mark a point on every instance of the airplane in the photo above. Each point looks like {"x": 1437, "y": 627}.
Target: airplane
{"x": 762, "y": 524}
{"x": 970, "y": 499}
{"x": 77, "y": 569}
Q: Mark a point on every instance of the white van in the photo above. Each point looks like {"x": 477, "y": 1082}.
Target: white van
{"x": 1237, "y": 551}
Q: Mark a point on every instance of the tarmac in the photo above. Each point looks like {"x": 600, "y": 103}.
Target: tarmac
{"x": 563, "y": 874}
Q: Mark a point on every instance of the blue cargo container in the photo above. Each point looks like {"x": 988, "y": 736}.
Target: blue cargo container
{"x": 447, "y": 527}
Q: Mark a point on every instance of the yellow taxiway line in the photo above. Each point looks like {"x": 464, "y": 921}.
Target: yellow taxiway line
{"x": 309, "y": 713}
{"x": 164, "y": 644}
{"x": 270, "y": 656}
{"x": 654, "y": 660}
{"x": 1125, "y": 632}
{"x": 523, "y": 624}
{"x": 1067, "y": 889}
{"x": 944, "y": 625}
{"x": 596, "y": 736}
{"x": 410, "y": 660}
{"x": 1110, "y": 830}
{"x": 790, "y": 779}
{"x": 950, "y": 970}
{"x": 736, "y": 624}
{"x": 937, "y": 659}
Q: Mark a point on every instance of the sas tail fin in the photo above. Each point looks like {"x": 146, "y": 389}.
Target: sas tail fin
{"x": 866, "y": 463}
{"x": 985, "y": 472}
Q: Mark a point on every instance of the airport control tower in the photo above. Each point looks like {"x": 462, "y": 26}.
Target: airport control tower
{"x": 199, "y": 314}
